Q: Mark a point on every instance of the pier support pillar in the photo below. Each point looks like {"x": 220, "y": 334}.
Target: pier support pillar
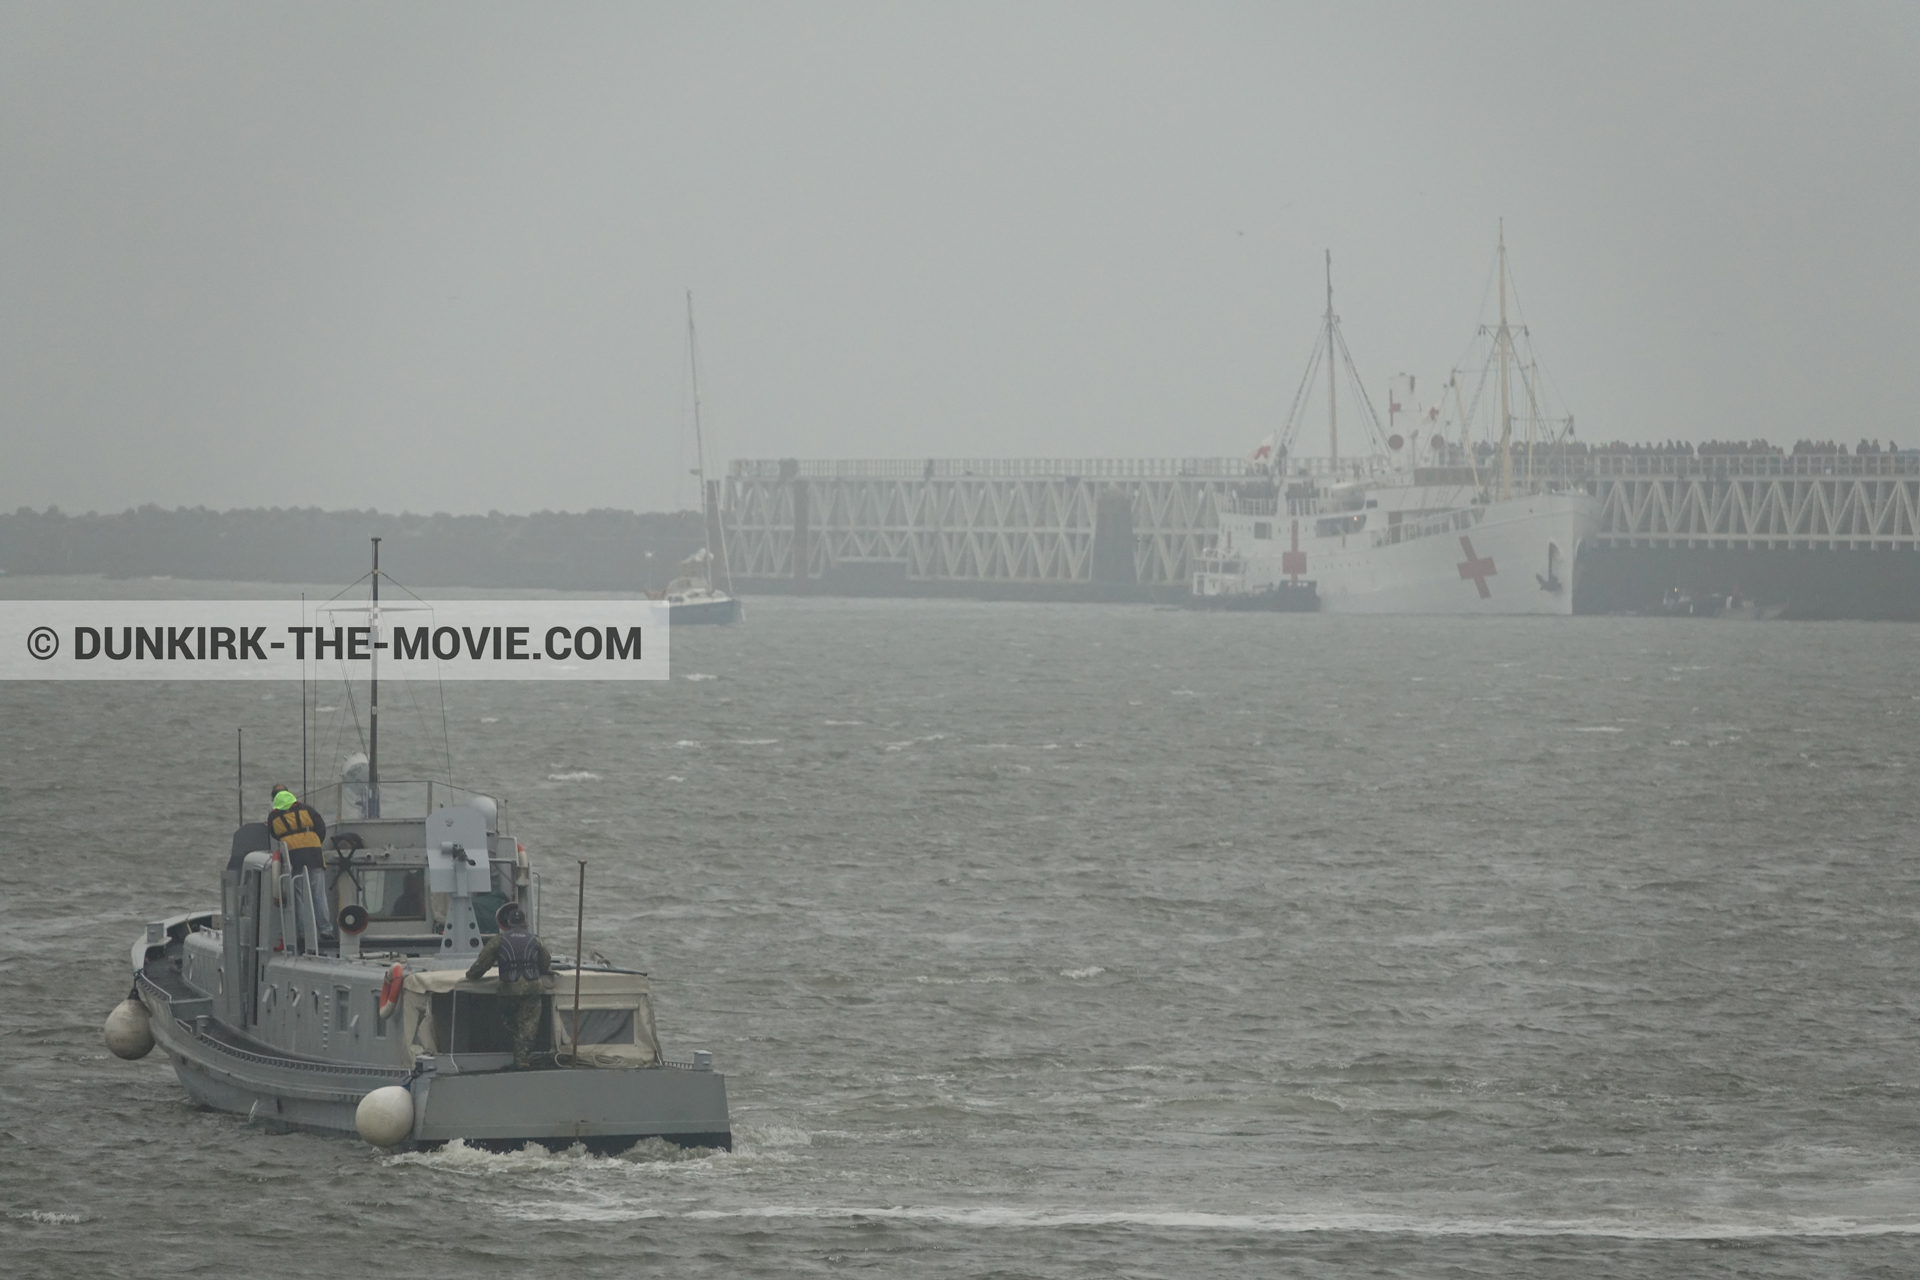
{"x": 801, "y": 531}
{"x": 1112, "y": 563}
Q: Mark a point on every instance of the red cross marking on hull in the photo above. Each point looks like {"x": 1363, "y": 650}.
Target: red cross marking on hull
{"x": 1294, "y": 563}
{"x": 1479, "y": 568}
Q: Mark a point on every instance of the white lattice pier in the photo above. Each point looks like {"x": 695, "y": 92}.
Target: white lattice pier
{"x": 1795, "y": 503}
{"x": 1087, "y": 526}
{"x": 986, "y": 522}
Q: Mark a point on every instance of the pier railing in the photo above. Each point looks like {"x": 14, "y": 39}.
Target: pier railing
{"x": 765, "y": 469}
{"x": 1149, "y": 521}
{"x": 989, "y": 468}
{"x": 1544, "y": 463}
{"x": 1689, "y": 466}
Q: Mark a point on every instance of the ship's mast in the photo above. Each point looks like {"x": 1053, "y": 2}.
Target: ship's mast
{"x": 373, "y": 696}
{"x": 1506, "y": 411}
{"x": 1333, "y": 412}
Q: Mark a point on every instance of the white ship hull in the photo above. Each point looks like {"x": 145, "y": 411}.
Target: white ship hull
{"x": 1415, "y": 552}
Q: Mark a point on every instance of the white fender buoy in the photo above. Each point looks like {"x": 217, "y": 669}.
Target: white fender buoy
{"x": 385, "y": 1116}
{"x": 129, "y": 1031}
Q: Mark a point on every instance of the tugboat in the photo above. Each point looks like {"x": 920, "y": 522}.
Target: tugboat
{"x": 373, "y": 1026}
{"x": 1685, "y": 602}
{"x": 1217, "y": 590}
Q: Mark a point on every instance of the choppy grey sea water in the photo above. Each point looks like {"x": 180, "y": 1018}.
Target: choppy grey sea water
{"x": 1080, "y": 941}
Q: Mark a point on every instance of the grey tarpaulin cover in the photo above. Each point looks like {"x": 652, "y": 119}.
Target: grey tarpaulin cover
{"x": 616, "y": 1013}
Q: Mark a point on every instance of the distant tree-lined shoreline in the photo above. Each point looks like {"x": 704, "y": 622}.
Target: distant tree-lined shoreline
{"x": 602, "y": 550}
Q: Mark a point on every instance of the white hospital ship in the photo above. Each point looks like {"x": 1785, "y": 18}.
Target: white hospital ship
{"x": 1433, "y": 525}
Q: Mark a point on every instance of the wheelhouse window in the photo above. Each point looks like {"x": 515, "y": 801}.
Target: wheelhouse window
{"x": 1263, "y": 529}
{"x": 476, "y": 1022}
{"x": 598, "y": 1026}
{"x": 394, "y": 893}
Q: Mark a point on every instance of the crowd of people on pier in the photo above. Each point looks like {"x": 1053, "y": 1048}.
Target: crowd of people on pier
{"x": 1866, "y": 449}
{"x": 1736, "y": 449}
{"x": 1668, "y": 448}
{"x": 1724, "y": 449}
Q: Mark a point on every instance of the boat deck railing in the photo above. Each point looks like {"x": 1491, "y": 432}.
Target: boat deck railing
{"x": 1235, "y": 504}
{"x": 401, "y": 800}
{"x": 1458, "y": 521}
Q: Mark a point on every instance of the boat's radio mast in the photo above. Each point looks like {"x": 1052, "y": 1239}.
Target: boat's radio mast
{"x": 373, "y": 696}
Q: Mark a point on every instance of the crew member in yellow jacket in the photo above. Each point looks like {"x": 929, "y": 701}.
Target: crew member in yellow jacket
{"x": 299, "y": 826}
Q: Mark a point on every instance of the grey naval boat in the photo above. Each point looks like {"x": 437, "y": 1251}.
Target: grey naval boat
{"x": 266, "y": 1017}
{"x": 377, "y": 1029}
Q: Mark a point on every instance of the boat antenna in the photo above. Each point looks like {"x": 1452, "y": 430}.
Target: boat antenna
{"x": 1333, "y": 413}
{"x": 579, "y": 945}
{"x": 373, "y": 695}
{"x": 303, "y": 704}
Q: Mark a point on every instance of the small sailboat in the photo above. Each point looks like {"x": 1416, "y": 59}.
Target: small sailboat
{"x": 692, "y": 598}
{"x": 695, "y": 595}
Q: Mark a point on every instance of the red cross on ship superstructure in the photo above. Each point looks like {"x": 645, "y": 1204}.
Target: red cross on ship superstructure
{"x": 1479, "y": 568}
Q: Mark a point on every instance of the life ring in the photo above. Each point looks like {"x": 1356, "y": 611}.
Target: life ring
{"x": 390, "y": 992}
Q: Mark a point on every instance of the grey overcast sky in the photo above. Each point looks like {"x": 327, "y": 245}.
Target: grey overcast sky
{"x": 432, "y": 256}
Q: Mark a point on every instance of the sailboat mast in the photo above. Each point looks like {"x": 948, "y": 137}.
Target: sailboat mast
{"x": 1333, "y": 412}
{"x": 373, "y": 697}
{"x": 699, "y": 439}
{"x": 1506, "y": 411}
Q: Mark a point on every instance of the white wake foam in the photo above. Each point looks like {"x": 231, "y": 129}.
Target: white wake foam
{"x": 999, "y": 1216}
{"x": 457, "y": 1157}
